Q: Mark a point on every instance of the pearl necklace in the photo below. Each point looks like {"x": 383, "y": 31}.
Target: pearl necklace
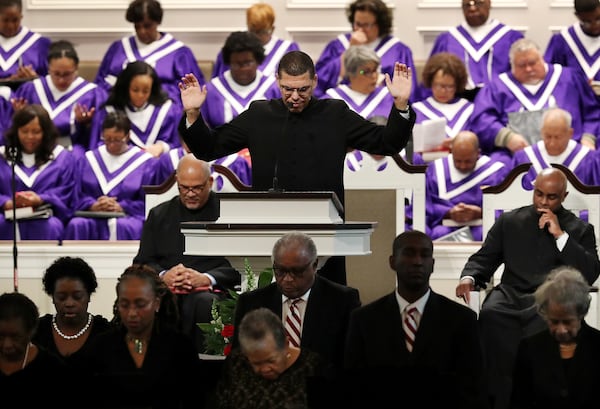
{"x": 138, "y": 344}
{"x": 80, "y": 333}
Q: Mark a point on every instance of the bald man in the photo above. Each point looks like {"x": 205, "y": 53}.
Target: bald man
{"x": 530, "y": 241}
{"x": 453, "y": 195}
{"x": 197, "y": 279}
{"x": 557, "y": 146}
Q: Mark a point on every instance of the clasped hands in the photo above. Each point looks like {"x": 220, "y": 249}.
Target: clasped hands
{"x": 24, "y": 199}
{"x": 106, "y": 204}
{"x": 183, "y": 279}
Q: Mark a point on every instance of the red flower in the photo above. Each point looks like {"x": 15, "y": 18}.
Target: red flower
{"x": 227, "y": 349}
{"x": 227, "y": 331}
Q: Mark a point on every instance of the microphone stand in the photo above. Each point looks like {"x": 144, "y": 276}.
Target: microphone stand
{"x": 275, "y": 187}
{"x": 12, "y": 153}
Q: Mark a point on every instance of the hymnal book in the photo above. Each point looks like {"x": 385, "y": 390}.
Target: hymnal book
{"x": 41, "y": 212}
{"x": 462, "y": 235}
{"x": 429, "y": 135}
{"x": 528, "y": 124}
{"x": 452, "y": 223}
{"x": 98, "y": 215}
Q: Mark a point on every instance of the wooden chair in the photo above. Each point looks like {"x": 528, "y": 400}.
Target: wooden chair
{"x": 407, "y": 180}
{"x": 156, "y": 194}
{"x": 510, "y": 194}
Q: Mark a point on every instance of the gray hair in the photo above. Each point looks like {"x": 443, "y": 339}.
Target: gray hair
{"x": 564, "y": 114}
{"x": 521, "y": 45}
{"x": 256, "y": 326}
{"x": 358, "y": 55}
{"x": 296, "y": 239}
{"x": 567, "y": 287}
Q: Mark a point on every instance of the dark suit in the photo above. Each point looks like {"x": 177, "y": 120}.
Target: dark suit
{"x": 162, "y": 247}
{"x": 529, "y": 253}
{"x": 543, "y": 380}
{"x": 445, "y": 367}
{"x": 325, "y": 318}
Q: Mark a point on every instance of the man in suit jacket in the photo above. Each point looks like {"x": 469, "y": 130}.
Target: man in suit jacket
{"x": 442, "y": 365}
{"x": 196, "y": 279}
{"x": 326, "y": 306}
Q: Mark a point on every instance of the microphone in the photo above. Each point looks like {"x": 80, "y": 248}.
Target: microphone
{"x": 275, "y": 187}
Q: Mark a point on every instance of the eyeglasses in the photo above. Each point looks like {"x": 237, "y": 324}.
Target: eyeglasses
{"x": 184, "y": 190}
{"x": 590, "y": 23}
{"x": 302, "y": 91}
{"x": 366, "y": 26}
{"x": 243, "y": 64}
{"x": 294, "y": 272}
{"x": 107, "y": 141}
{"x": 473, "y": 3}
{"x": 62, "y": 75}
{"x": 444, "y": 87}
{"x": 368, "y": 72}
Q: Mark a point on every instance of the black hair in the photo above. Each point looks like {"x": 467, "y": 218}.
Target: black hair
{"x": 117, "y": 119}
{"x": 63, "y": 49}
{"x": 139, "y": 9}
{"x": 296, "y": 63}
{"x": 49, "y": 132}
{"x": 69, "y": 267}
{"x": 168, "y": 313}
{"x": 19, "y": 306}
{"x": 381, "y": 11}
{"x": 585, "y": 6}
{"x": 119, "y": 94}
{"x": 240, "y": 41}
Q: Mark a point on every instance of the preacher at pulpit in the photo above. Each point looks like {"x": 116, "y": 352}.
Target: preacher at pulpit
{"x": 298, "y": 142}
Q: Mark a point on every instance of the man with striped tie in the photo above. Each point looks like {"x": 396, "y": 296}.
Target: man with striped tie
{"x": 414, "y": 345}
{"x": 315, "y": 310}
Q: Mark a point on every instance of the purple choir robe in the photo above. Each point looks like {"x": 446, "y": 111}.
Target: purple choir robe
{"x": 446, "y": 187}
{"x": 169, "y": 57}
{"x": 389, "y": 48}
{"x": 274, "y": 50}
{"x": 377, "y": 103}
{"x": 61, "y": 107}
{"x": 26, "y": 48}
{"x": 54, "y": 182}
{"x": 224, "y": 102}
{"x": 167, "y": 164}
{"x": 457, "y": 114}
{"x": 578, "y": 158}
{"x": 149, "y": 125}
{"x": 562, "y": 87}
{"x": 125, "y": 183}
{"x": 484, "y": 59}
{"x": 571, "y": 47}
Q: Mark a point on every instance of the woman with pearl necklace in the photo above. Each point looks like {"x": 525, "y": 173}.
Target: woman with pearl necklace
{"x": 70, "y": 282}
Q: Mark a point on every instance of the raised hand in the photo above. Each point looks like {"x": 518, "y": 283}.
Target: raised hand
{"x": 400, "y": 85}
{"x": 193, "y": 96}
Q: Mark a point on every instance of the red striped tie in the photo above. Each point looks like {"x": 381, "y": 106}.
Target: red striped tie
{"x": 293, "y": 323}
{"x": 410, "y": 324}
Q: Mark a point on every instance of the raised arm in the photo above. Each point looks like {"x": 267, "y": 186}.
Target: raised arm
{"x": 193, "y": 96}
